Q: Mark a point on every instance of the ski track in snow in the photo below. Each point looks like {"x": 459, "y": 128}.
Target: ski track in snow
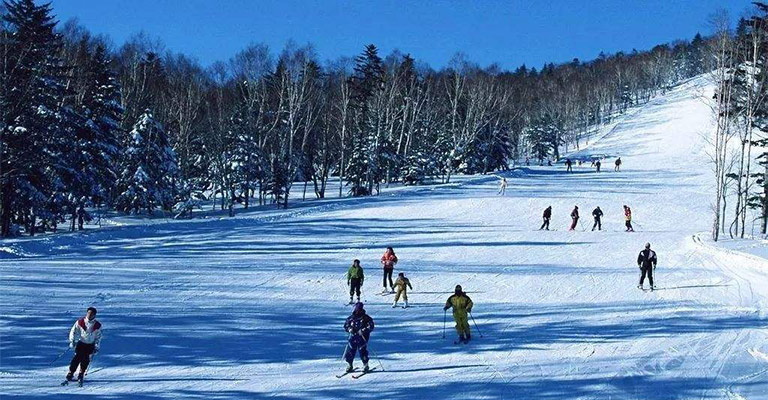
{"x": 252, "y": 307}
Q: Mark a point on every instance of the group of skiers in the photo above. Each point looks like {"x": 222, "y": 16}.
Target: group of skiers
{"x": 359, "y": 324}
{"x": 596, "y": 163}
{"x": 597, "y": 214}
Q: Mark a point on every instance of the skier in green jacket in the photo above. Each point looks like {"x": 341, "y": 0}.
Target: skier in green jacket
{"x": 355, "y": 278}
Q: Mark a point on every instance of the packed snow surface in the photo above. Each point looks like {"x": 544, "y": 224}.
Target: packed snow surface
{"x": 253, "y": 307}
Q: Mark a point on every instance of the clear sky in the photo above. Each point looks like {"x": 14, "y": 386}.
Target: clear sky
{"x": 509, "y": 32}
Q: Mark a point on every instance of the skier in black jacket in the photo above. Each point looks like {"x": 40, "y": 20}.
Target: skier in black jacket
{"x": 646, "y": 260}
{"x": 359, "y": 325}
{"x": 546, "y": 216}
{"x": 598, "y": 214}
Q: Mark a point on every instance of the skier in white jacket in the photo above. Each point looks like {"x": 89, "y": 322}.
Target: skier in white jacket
{"x": 85, "y": 338}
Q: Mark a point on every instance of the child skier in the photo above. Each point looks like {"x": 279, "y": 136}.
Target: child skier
{"x": 628, "y": 219}
{"x": 355, "y": 278}
{"x": 401, "y": 284}
{"x": 388, "y": 261}
{"x": 359, "y": 326}
{"x": 462, "y": 305}
{"x": 85, "y": 338}
{"x": 568, "y": 164}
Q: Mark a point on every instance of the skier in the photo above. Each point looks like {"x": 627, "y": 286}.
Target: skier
{"x": 527, "y": 161}
{"x": 355, "y": 278}
{"x": 646, "y": 260}
{"x": 359, "y": 326}
{"x": 547, "y": 216}
{"x": 568, "y": 164}
{"x": 598, "y": 214}
{"x": 85, "y": 338}
{"x": 574, "y": 217}
{"x": 617, "y": 164}
{"x": 401, "y": 284}
{"x": 597, "y": 165}
{"x": 628, "y": 219}
{"x": 503, "y": 186}
{"x": 462, "y": 305}
{"x": 388, "y": 261}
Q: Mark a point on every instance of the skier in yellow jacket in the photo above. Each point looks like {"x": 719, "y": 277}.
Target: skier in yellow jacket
{"x": 462, "y": 305}
{"x": 400, "y": 287}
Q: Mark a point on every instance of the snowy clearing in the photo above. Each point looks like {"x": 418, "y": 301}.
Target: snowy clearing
{"x": 253, "y": 307}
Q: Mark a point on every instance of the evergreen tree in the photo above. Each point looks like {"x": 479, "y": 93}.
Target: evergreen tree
{"x": 35, "y": 132}
{"x": 149, "y": 169}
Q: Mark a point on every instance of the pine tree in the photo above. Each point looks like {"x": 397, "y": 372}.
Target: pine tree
{"x": 149, "y": 170}
{"x": 35, "y": 131}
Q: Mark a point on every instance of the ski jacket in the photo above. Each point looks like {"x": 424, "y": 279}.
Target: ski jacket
{"x": 548, "y": 212}
{"x": 628, "y": 214}
{"x": 646, "y": 259}
{"x": 359, "y": 325}
{"x": 88, "y": 332}
{"x": 461, "y": 304}
{"x": 597, "y": 213}
{"x": 575, "y": 213}
{"x": 401, "y": 283}
{"x": 389, "y": 260}
{"x": 355, "y": 273}
{"x": 618, "y": 161}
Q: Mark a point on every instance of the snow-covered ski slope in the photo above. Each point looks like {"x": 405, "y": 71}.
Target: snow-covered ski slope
{"x": 253, "y": 307}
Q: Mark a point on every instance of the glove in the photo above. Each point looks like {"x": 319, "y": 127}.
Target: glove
{"x": 71, "y": 345}
{"x": 445, "y": 308}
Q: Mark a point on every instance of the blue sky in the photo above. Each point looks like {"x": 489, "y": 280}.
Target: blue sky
{"x": 507, "y": 32}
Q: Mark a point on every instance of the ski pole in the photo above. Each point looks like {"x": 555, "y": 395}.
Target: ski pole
{"x": 378, "y": 360}
{"x": 60, "y": 355}
{"x": 476, "y": 327}
{"x": 89, "y": 365}
{"x": 346, "y": 347}
{"x": 445, "y": 313}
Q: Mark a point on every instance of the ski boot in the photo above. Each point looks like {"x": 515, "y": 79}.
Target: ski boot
{"x": 350, "y": 300}
{"x": 640, "y": 287}
{"x": 350, "y": 368}
{"x": 394, "y": 304}
{"x": 70, "y": 377}
{"x": 406, "y": 304}
{"x": 365, "y": 368}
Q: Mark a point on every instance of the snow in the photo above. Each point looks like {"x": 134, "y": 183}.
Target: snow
{"x": 252, "y": 307}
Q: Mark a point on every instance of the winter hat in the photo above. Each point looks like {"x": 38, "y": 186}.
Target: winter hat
{"x": 458, "y": 289}
{"x": 401, "y": 274}
{"x": 358, "y": 307}
{"x": 647, "y": 245}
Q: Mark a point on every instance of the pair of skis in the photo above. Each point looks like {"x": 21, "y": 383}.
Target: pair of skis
{"x": 354, "y": 375}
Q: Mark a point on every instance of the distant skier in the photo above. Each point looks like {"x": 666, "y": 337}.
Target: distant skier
{"x": 388, "y": 261}
{"x": 546, "y": 216}
{"x": 597, "y": 213}
{"x": 617, "y": 165}
{"x": 628, "y": 219}
{"x": 568, "y": 164}
{"x": 646, "y": 260}
{"x": 359, "y": 326}
{"x": 355, "y": 278}
{"x": 85, "y": 338}
{"x": 462, "y": 305}
{"x": 597, "y": 165}
{"x": 402, "y": 284}
{"x": 527, "y": 161}
{"x": 502, "y": 186}
{"x": 574, "y": 217}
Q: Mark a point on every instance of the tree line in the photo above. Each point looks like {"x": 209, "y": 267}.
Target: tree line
{"x": 140, "y": 129}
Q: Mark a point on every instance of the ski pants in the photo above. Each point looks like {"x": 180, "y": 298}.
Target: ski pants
{"x": 568, "y": 169}
{"x": 646, "y": 271}
{"x": 388, "y": 275}
{"x": 597, "y": 225}
{"x": 575, "y": 221}
{"x": 629, "y": 225}
{"x": 349, "y": 355}
{"x": 462, "y": 324}
{"x": 403, "y": 292}
{"x": 82, "y": 357}
{"x": 354, "y": 286}
{"x": 545, "y": 225}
